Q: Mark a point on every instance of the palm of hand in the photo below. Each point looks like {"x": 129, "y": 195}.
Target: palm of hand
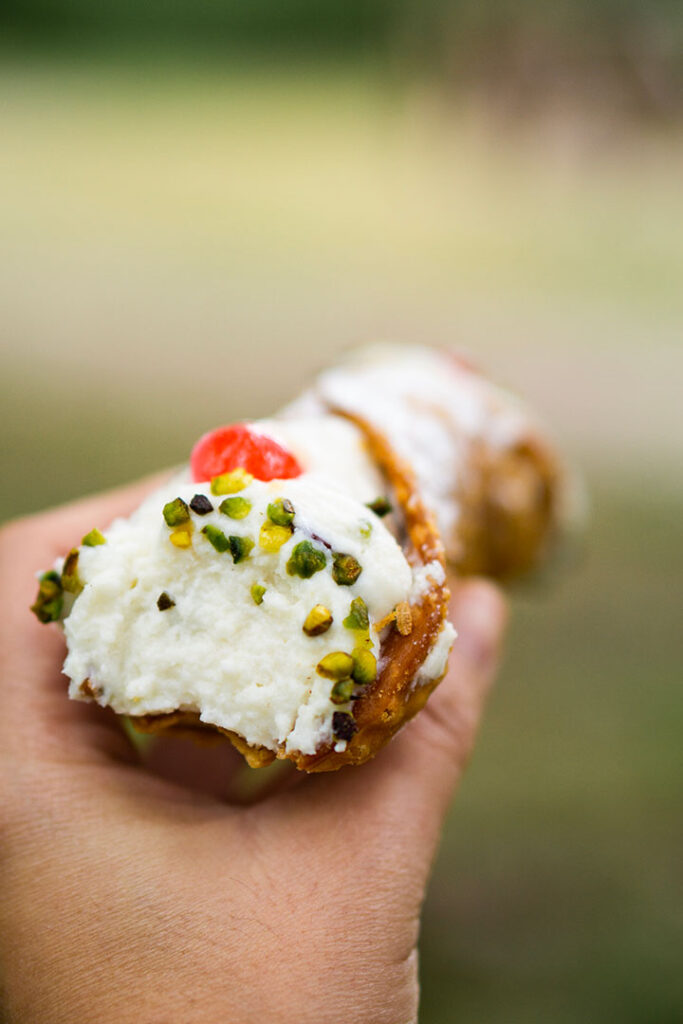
{"x": 140, "y": 890}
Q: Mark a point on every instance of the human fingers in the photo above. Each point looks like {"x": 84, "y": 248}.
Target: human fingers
{"x": 36, "y": 712}
{"x": 429, "y": 757}
{"x": 206, "y": 763}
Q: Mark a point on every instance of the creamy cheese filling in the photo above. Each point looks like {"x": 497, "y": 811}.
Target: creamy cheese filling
{"x": 331, "y": 446}
{"x": 242, "y": 665}
{"x": 434, "y": 665}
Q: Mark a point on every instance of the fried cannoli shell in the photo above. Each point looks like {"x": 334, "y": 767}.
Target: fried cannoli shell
{"x": 481, "y": 459}
{"x": 399, "y": 691}
{"x": 509, "y": 510}
{"x": 189, "y": 724}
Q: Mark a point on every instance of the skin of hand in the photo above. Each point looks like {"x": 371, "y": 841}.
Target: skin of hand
{"x": 136, "y": 890}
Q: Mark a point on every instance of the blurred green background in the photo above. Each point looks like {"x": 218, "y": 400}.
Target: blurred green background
{"x": 203, "y": 203}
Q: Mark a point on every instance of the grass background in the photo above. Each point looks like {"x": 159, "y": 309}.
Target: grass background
{"x": 185, "y": 244}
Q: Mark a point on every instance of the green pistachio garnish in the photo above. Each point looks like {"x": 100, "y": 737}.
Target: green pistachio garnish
{"x": 281, "y": 512}
{"x": 364, "y": 666}
{"x": 230, "y": 483}
{"x": 176, "y": 512}
{"x": 365, "y": 529}
{"x": 358, "y": 620}
{"x": 305, "y": 560}
{"x": 216, "y": 537}
{"x": 70, "y": 578}
{"x": 93, "y": 539}
{"x": 236, "y": 508}
{"x": 164, "y": 602}
{"x": 336, "y": 665}
{"x": 271, "y": 536}
{"x": 345, "y": 569}
{"x": 257, "y": 592}
{"x": 240, "y": 548}
{"x": 380, "y": 506}
{"x": 341, "y": 691}
{"x": 358, "y": 615}
{"x": 343, "y": 725}
{"x": 49, "y": 599}
{"x": 51, "y": 576}
{"x": 181, "y": 536}
{"x": 318, "y": 620}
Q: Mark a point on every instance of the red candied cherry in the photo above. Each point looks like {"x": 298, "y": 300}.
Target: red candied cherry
{"x": 228, "y": 448}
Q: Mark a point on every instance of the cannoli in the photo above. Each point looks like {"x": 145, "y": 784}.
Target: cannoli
{"x": 480, "y": 457}
{"x": 288, "y": 589}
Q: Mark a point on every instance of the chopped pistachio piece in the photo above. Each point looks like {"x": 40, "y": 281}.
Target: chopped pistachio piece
{"x": 176, "y": 512}
{"x": 336, "y": 665}
{"x": 380, "y": 506}
{"x": 164, "y": 602}
{"x": 216, "y": 537}
{"x": 257, "y": 592}
{"x": 49, "y": 599}
{"x": 93, "y": 538}
{"x": 365, "y": 529}
{"x": 70, "y": 579}
{"x": 404, "y": 618}
{"x": 201, "y": 505}
{"x": 305, "y": 560}
{"x": 181, "y": 538}
{"x": 345, "y": 569}
{"x": 240, "y": 548}
{"x": 230, "y": 483}
{"x": 271, "y": 536}
{"x": 358, "y": 615}
{"x": 343, "y": 725}
{"x": 48, "y": 611}
{"x": 364, "y": 666}
{"x": 341, "y": 691}
{"x": 236, "y": 508}
{"x": 318, "y": 620}
{"x": 281, "y": 511}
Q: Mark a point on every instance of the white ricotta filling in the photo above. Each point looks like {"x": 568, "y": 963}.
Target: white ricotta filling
{"x": 332, "y": 446}
{"x": 242, "y": 666}
{"x": 434, "y": 665}
{"x": 424, "y": 578}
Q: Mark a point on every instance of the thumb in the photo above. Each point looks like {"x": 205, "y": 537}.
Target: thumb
{"x": 435, "y": 747}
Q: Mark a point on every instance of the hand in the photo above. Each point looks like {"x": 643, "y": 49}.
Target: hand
{"x": 133, "y": 890}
